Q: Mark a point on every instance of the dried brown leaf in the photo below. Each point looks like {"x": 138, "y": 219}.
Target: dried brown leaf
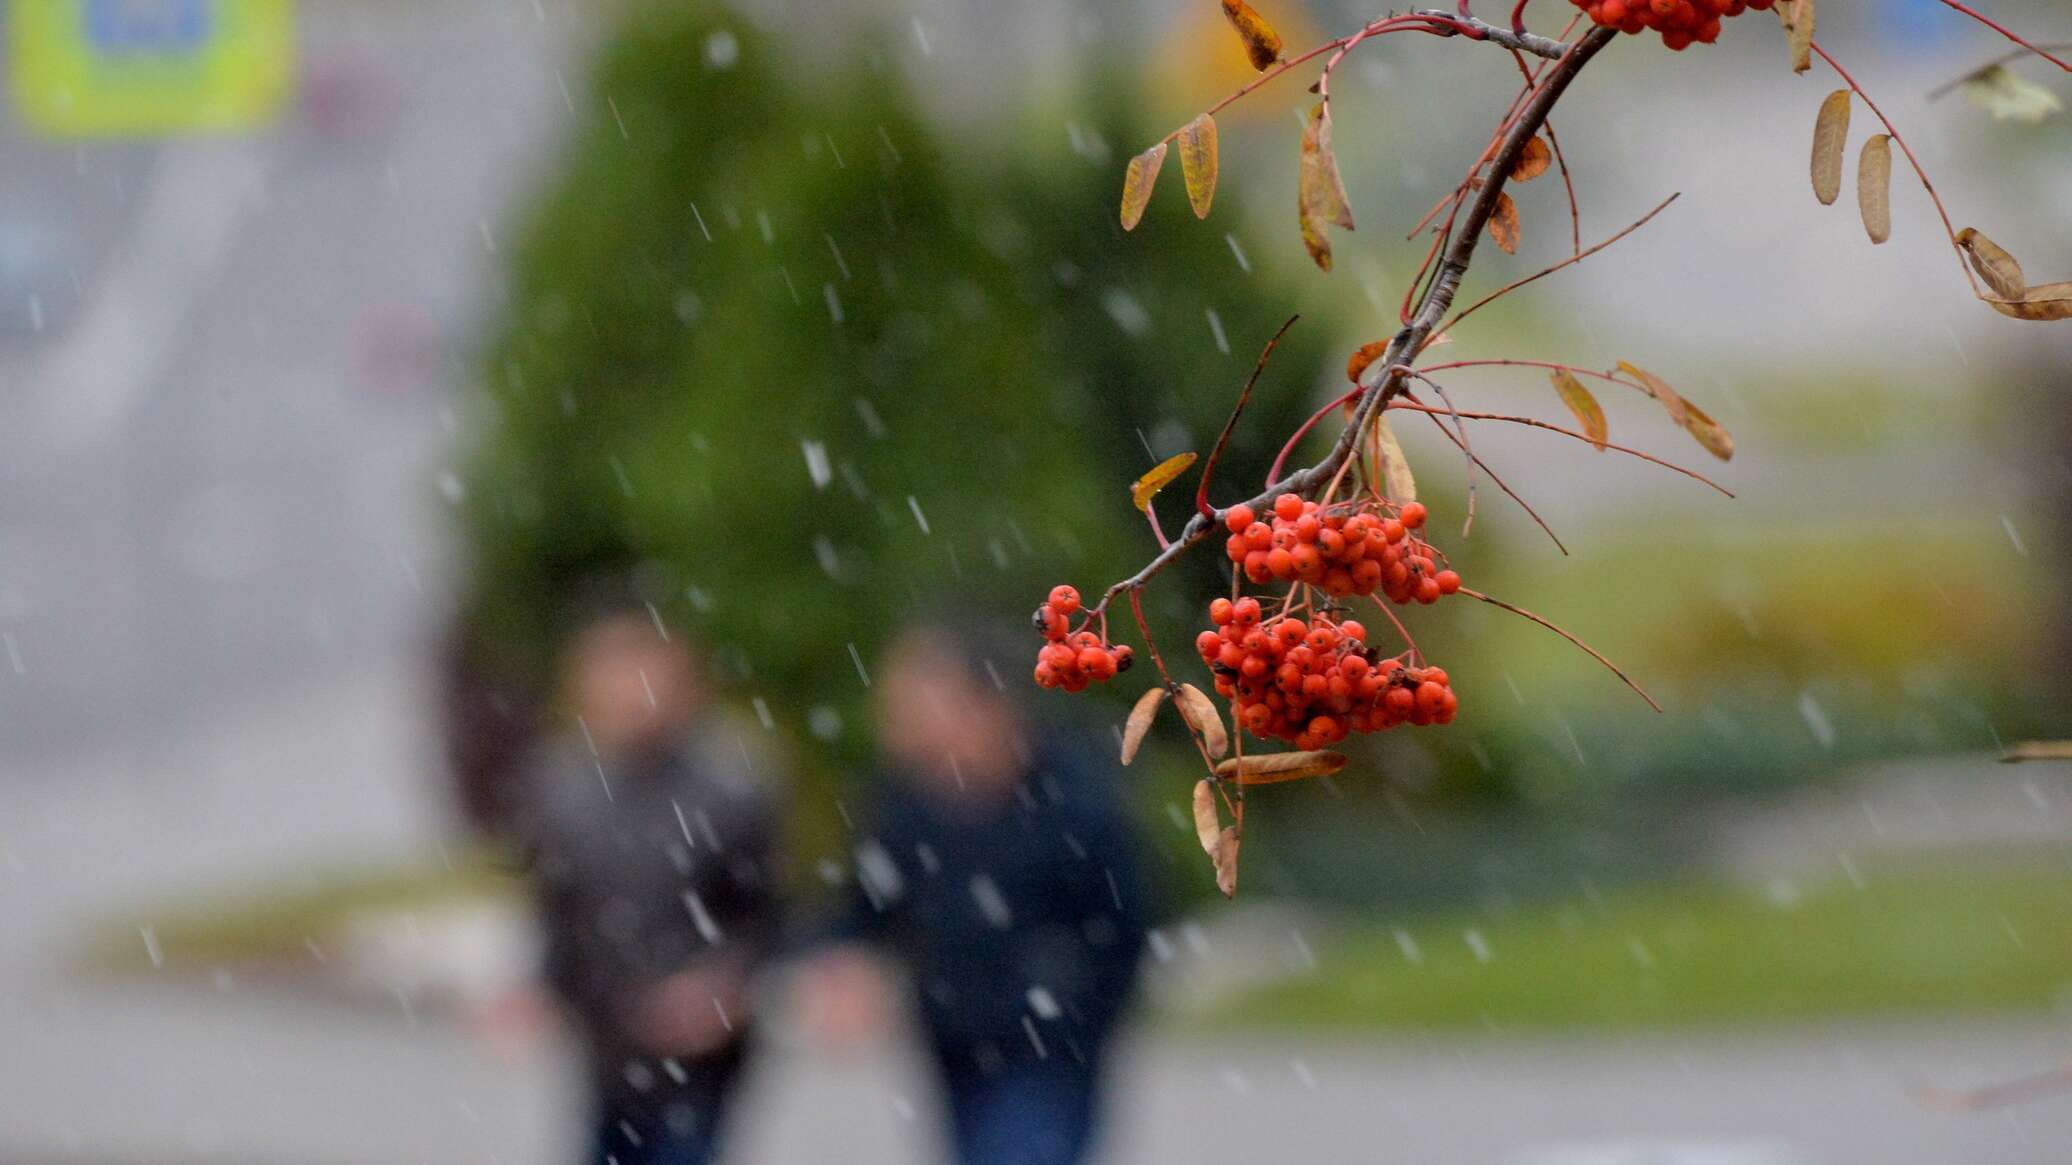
{"x": 1395, "y": 468}
{"x": 1658, "y": 388}
{"x": 1532, "y": 161}
{"x": 1224, "y": 856}
{"x": 1830, "y": 134}
{"x": 1580, "y": 402}
{"x": 1998, "y": 268}
{"x": 1798, "y": 28}
{"x": 1200, "y": 713}
{"x": 1503, "y": 224}
{"x": 2038, "y": 750}
{"x": 1197, "y": 142}
{"x": 1161, "y": 475}
{"x": 1874, "y": 187}
{"x": 1262, "y": 43}
{"x": 1139, "y": 723}
{"x": 1690, "y": 417}
{"x": 1273, "y": 767}
{"x": 1208, "y": 827}
{"x": 1137, "y": 182}
{"x": 2047, "y": 301}
{"x": 1320, "y": 193}
{"x": 1362, "y": 356}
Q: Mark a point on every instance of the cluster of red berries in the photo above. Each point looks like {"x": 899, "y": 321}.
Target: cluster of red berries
{"x": 1346, "y": 549}
{"x": 1679, "y": 21}
{"x": 1314, "y": 683}
{"x": 1073, "y": 659}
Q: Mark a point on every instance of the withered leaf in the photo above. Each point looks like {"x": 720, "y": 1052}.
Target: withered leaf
{"x": 1274, "y": 767}
{"x": 1580, "y": 402}
{"x": 2010, "y": 97}
{"x": 1137, "y": 182}
{"x": 2038, "y": 750}
{"x": 1320, "y": 193}
{"x": 1207, "y": 825}
{"x": 1262, "y": 43}
{"x": 1201, "y": 715}
{"x": 1710, "y": 433}
{"x": 1139, "y": 723}
{"x": 1998, "y": 268}
{"x": 1362, "y": 356}
{"x": 1197, "y": 143}
{"x": 1874, "y": 187}
{"x": 1224, "y": 857}
{"x": 1532, "y": 161}
{"x": 1503, "y": 224}
{"x": 1797, "y": 16}
{"x": 1161, "y": 475}
{"x": 1830, "y": 134}
{"x": 2046, "y": 301}
{"x": 1395, "y": 468}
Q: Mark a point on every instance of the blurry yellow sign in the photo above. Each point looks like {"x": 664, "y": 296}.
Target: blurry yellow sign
{"x": 125, "y": 68}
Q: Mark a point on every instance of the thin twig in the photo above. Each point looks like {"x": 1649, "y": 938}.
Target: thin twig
{"x": 1201, "y": 491}
{"x": 1500, "y": 482}
{"x": 1552, "y": 428}
{"x": 1948, "y": 87}
{"x": 1376, "y": 387}
{"x": 1591, "y": 651}
{"x": 2003, "y": 31}
{"x": 1571, "y": 261}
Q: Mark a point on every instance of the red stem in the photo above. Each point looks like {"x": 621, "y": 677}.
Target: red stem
{"x": 2003, "y": 31}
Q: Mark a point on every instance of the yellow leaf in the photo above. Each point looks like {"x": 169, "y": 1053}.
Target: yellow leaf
{"x": 1198, "y": 163}
{"x": 1395, "y": 468}
{"x": 2048, "y": 301}
{"x": 1690, "y": 417}
{"x": 1830, "y": 134}
{"x": 1998, "y": 268}
{"x": 1503, "y": 224}
{"x": 1532, "y": 161}
{"x": 1137, "y": 182}
{"x": 1139, "y": 723}
{"x": 1587, "y": 411}
{"x": 1874, "y": 187}
{"x": 1320, "y": 194}
{"x": 1201, "y": 715}
{"x": 1274, "y": 767}
{"x": 1161, "y": 475}
{"x": 2009, "y": 97}
{"x": 1262, "y": 43}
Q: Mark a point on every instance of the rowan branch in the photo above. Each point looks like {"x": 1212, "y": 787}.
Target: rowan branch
{"x": 1383, "y": 379}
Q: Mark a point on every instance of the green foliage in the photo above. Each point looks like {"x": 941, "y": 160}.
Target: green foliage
{"x": 740, "y": 277}
{"x": 1917, "y": 937}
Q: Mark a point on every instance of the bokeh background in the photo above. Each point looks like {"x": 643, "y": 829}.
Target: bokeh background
{"x": 342, "y": 348}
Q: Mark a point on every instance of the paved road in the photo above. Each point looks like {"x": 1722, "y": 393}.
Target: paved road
{"x": 157, "y": 1073}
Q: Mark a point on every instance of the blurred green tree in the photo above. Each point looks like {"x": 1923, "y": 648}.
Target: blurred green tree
{"x": 801, "y": 363}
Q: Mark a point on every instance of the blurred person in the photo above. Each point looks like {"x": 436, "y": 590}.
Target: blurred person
{"x": 651, "y": 827}
{"x": 1000, "y": 871}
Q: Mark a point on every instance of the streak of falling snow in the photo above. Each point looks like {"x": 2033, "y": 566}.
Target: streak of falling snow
{"x": 920, "y": 519}
{"x": 1816, "y": 719}
{"x": 1477, "y": 944}
{"x": 1237, "y": 252}
{"x": 1216, "y": 330}
{"x": 818, "y": 468}
{"x": 856, "y": 657}
{"x": 834, "y": 301}
{"x": 2007, "y": 524}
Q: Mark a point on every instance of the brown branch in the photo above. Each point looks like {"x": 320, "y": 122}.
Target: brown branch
{"x": 1593, "y": 653}
{"x": 1382, "y": 380}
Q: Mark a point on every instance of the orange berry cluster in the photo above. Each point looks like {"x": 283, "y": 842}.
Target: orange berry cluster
{"x": 1073, "y": 659}
{"x": 1679, "y": 21}
{"x": 1347, "y": 549}
{"x": 1314, "y": 683}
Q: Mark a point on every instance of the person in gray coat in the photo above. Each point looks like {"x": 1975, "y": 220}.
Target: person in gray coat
{"x": 651, "y": 828}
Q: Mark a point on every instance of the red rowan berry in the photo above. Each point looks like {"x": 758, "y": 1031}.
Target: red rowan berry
{"x": 1238, "y": 517}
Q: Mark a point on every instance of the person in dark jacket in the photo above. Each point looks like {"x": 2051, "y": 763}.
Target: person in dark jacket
{"x": 1001, "y": 871}
{"x": 651, "y": 827}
